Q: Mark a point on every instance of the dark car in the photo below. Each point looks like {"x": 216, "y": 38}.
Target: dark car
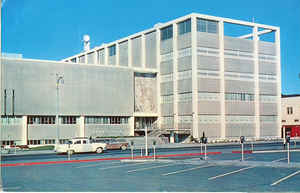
{"x": 113, "y": 143}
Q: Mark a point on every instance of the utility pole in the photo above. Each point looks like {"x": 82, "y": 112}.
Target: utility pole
{"x": 59, "y": 79}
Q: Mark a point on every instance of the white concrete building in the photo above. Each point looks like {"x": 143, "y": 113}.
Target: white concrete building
{"x": 179, "y": 78}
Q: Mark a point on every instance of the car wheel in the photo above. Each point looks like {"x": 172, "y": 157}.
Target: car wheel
{"x": 99, "y": 150}
{"x": 123, "y": 147}
{"x": 70, "y": 152}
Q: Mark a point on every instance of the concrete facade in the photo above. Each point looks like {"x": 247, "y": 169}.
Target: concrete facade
{"x": 182, "y": 77}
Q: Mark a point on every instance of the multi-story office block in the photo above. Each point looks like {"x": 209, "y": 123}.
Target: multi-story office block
{"x": 183, "y": 77}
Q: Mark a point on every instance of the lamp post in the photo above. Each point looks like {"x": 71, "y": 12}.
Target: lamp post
{"x": 59, "y": 79}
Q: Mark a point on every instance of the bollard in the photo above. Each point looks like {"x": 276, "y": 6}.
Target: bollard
{"x": 288, "y": 146}
{"x": 141, "y": 151}
{"x": 154, "y": 143}
{"x": 242, "y": 140}
{"x": 131, "y": 147}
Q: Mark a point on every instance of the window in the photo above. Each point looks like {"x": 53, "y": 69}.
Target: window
{"x": 208, "y": 26}
{"x": 78, "y": 142}
{"x": 185, "y": 97}
{"x": 184, "y": 27}
{"x": 283, "y": 121}
{"x": 106, "y": 120}
{"x": 239, "y": 97}
{"x": 112, "y": 50}
{"x": 41, "y": 120}
{"x": 68, "y": 120}
{"x": 167, "y": 33}
{"x": 73, "y": 60}
{"x": 296, "y": 120}
{"x": 289, "y": 110}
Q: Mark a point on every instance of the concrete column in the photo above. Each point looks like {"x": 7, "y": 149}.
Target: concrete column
{"x": 143, "y": 58}
{"x": 85, "y": 58}
{"x": 131, "y": 126}
{"x": 106, "y": 55}
{"x": 24, "y": 131}
{"x": 175, "y": 76}
{"x": 278, "y": 78}
{"x": 195, "y": 130}
{"x": 117, "y": 54}
{"x": 96, "y": 57}
{"x": 81, "y": 127}
{"x": 129, "y": 53}
{"x": 158, "y": 77}
{"x": 222, "y": 80}
{"x": 256, "y": 82}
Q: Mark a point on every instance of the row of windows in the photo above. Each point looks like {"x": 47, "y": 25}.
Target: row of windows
{"x": 208, "y": 96}
{"x": 208, "y": 73}
{"x": 271, "y": 118}
{"x": 167, "y": 120}
{"x": 184, "y": 27}
{"x": 68, "y": 120}
{"x": 238, "y": 53}
{"x": 105, "y": 120}
{"x": 209, "y": 26}
{"x": 184, "y": 75}
{"x": 267, "y": 99}
{"x": 11, "y": 120}
{"x": 238, "y": 76}
{"x": 184, "y": 52}
{"x": 167, "y": 99}
{"x": 167, "y": 33}
{"x": 185, "y": 119}
{"x": 166, "y": 78}
{"x": 167, "y": 57}
{"x": 208, "y": 119}
{"x": 239, "y": 97}
{"x": 112, "y": 50}
{"x": 185, "y": 97}
{"x": 267, "y": 77}
{"x": 208, "y": 51}
{"x": 41, "y": 120}
{"x": 239, "y": 119}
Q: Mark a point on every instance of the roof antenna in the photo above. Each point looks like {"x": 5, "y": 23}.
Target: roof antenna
{"x": 86, "y": 43}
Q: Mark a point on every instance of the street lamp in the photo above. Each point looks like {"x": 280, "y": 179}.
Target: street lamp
{"x": 59, "y": 79}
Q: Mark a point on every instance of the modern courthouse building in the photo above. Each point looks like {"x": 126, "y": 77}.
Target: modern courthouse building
{"x": 179, "y": 78}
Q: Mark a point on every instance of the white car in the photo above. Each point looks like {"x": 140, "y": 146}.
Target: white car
{"x": 80, "y": 145}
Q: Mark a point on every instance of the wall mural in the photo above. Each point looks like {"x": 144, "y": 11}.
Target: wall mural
{"x": 145, "y": 93}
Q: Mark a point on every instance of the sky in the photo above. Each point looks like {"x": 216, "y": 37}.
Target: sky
{"x": 53, "y": 29}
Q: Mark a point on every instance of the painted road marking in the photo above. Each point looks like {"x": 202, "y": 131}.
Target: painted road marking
{"x": 103, "y": 159}
{"x": 239, "y": 170}
{"x": 122, "y": 166}
{"x": 279, "y": 160}
{"x": 233, "y": 172}
{"x": 142, "y": 169}
{"x": 186, "y": 170}
{"x": 99, "y": 164}
{"x": 276, "y": 151}
{"x": 285, "y": 178}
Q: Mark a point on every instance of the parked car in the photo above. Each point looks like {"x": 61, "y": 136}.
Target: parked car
{"x": 113, "y": 143}
{"x": 81, "y": 145}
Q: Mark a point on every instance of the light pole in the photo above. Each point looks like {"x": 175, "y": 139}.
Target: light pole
{"x": 59, "y": 79}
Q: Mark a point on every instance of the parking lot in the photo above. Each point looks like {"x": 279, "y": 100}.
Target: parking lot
{"x": 182, "y": 169}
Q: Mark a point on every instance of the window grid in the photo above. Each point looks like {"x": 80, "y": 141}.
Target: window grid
{"x": 184, "y": 75}
{"x": 167, "y": 57}
{"x": 167, "y": 33}
{"x": 184, "y": 27}
{"x": 209, "y": 26}
{"x": 206, "y": 96}
{"x": 185, "y": 97}
{"x": 41, "y": 120}
{"x": 184, "y": 52}
{"x": 11, "y": 120}
{"x": 208, "y": 119}
{"x": 239, "y": 119}
{"x": 185, "y": 119}
{"x": 166, "y": 78}
{"x": 106, "y": 120}
{"x": 167, "y": 99}
{"x": 270, "y": 118}
{"x": 112, "y": 50}
{"x": 239, "y": 97}
{"x": 208, "y": 73}
{"x": 68, "y": 119}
